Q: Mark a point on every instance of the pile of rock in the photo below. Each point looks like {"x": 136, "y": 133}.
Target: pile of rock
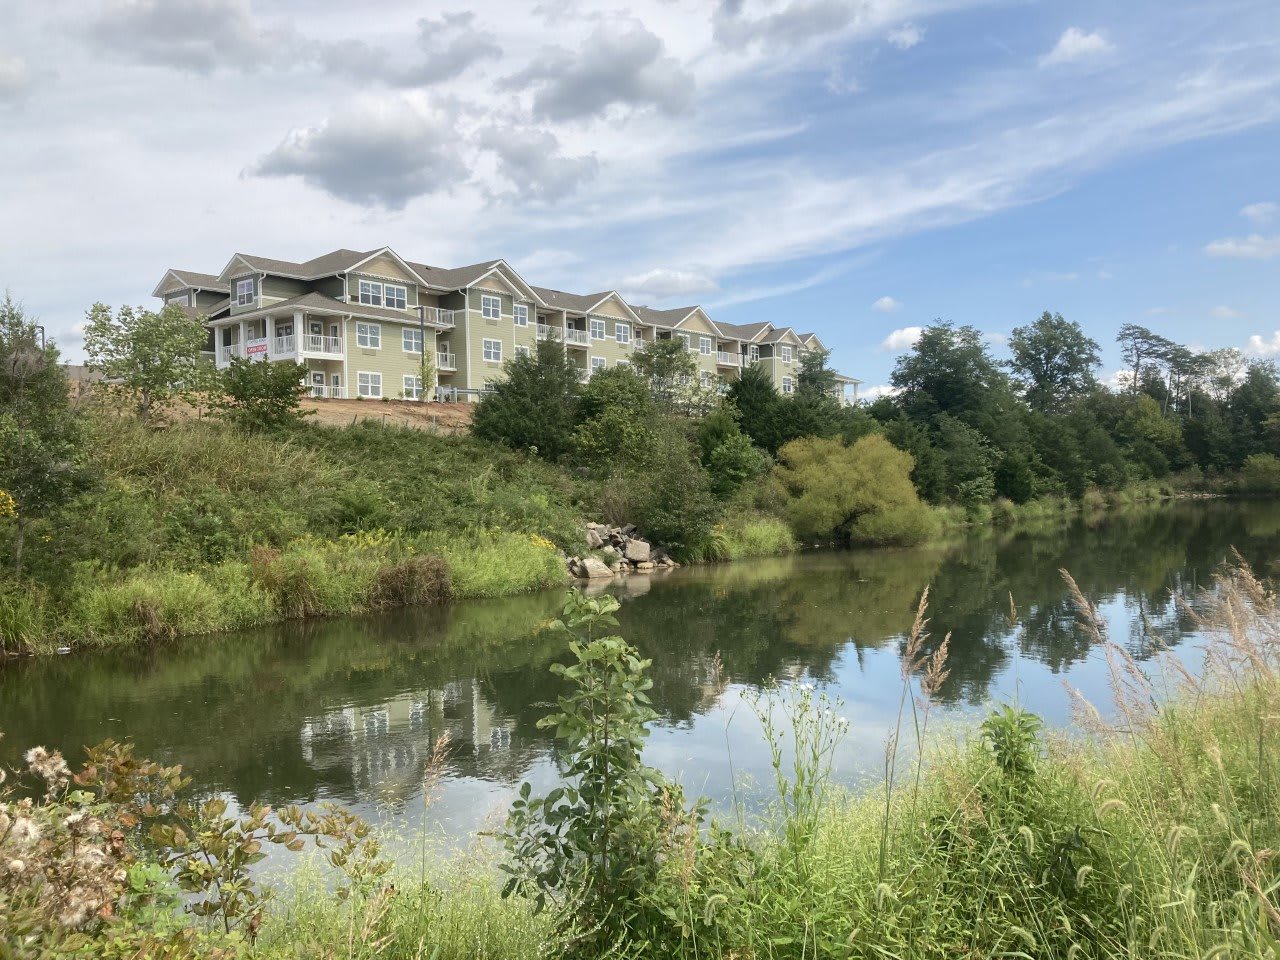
{"x": 620, "y": 551}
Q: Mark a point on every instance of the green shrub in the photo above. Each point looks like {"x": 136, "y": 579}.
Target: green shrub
{"x": 24, "y": 626}
{"x": 756, "y": 536}
{"x": 1260, "y": 474}
{"x": 494, "y": 564}
{"x": 151, "y": 605}
{"x": 262, "y": 396}
{"x": 904, "y": 525}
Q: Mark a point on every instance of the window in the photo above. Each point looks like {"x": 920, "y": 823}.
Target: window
{"x": 371, "y": 293}
{"x": 369, "y": 384}
{"x": 493, "y": 351}
{"x": 182, "y": 299}
{"x": 411, "y": 338}
{"x": 704, "y": 346}
{"x": 521, "y": 313}
{"x": 786, "y": 354}
{"x": 753, "y": 352}
{"x": 597, "y": 364}
{"x": 490, "y": 307}
{"x": 622, "y": 332}
{"x": 394, "y": 296}
{"x": 788, "y": 385}
{"x": 685, "y": 338}
{"x": 369, "y": 335}
{"x": 522, "y": 351}
{"x": 412, "y": 387}
{"x": 244, "y": 292}
{"x": 597, "y": 329}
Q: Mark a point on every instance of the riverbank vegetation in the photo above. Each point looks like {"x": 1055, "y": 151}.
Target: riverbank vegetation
{"x": 122, "y": 523}
{"x": 1148, "y": 832}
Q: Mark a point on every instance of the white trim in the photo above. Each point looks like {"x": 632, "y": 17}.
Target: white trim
{"x": 509, "y": 274}
{"x": 485, "y": 299}
{"x": 616, "y": 296}
{"x": 238, "y": 299}
{"x": 516, "y": 309}
{"x": 413, "y": 333}
{"x": 373, "y": 256}
{"x": 370, "y": 374}
{"x": 621, "y": 326}
{"x": 787, "y": 353}
{"x": 705, "y": 346}
{"x": 591, "y": 328}
{"x": 788, "y": 385}
{"x": 411, "y": 387}
{"x": 595, "y": 364}
{"x": 485, "y": 344}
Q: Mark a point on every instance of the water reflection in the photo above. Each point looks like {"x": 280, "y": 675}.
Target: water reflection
{"x": 349, "y": 709}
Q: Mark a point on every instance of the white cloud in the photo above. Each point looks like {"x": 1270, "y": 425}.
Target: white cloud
{"x": 878, "y": 391}
{"x": 901, "y": 339}
{"x": 379, "y": 152}
{"x": 665, "y": 284}
{"x": 1075, "y": 44}
{"x": 1253, "y": 247}
{"x": 906, "y": 36}
{"x": 1224, "y": 313}
{"x": 15, "y": 78}
{"x": 1261, "y": 213}
{"x": 996, "y": 339}
{"x": 887, "y": 305}
{"x": 1259, "y": 347}
{"x": 1118, "y": 380}
{"x": 1157, "y": 311}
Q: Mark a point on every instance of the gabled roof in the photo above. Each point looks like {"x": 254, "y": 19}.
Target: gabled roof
{"x": 808, "y": 338}
{"x": 180, "y": 279}
{"x": 573, "y": 302}
{"x": 202, "y": 314}
{"x": 325, "y": 265}
{"x": 779, "y": 334}
{"x": 749, "y": 332}
{"x": 319, "y": 303}
{"x": 665, "y": 318}
{"x": 458, "y": 278}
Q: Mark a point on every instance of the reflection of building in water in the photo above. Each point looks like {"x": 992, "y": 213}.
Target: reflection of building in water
{"x": 386, "y": 746}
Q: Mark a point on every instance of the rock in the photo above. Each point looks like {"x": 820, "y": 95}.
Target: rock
{"x": 637, "y": 550}
{"x": 616, "y": 568}
{"x": 593, "y": 539}
{"x": 591, "y": 569}
{"x": 645, "y": 565}
{"x": 609, "y": 548}
{"x": 628, "y": 530}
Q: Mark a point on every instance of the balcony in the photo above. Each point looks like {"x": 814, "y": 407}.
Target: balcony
{"x": 319, "y": 392}
{"x": 726, "y": 359}
{"x": 446, "y": 361}
{"x": 227, "y": 351}
{"x": 547, "y": 332}
{"x": 577, "y": 338}
{"x": 315, "y": 345}
{"x": 445, "y": 318}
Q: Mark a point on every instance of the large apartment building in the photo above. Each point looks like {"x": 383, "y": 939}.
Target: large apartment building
{"x": 360, "y": 321}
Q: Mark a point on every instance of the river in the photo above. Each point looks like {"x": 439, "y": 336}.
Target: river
{"x": 347, "y": 710}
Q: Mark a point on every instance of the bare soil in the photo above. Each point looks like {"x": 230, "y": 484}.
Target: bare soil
{"x": 436, "y": 417}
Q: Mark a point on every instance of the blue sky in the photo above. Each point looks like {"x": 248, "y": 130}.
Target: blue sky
{"x": 855, "y": 167}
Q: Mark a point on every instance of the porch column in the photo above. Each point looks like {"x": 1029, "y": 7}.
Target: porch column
{"x": 298, "y": 332}
{"x": 243, "y": 336}
{"x": 270, "y": 330}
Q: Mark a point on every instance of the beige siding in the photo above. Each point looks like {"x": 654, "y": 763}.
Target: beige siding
{"x": 612, "y": 307}
{"x": 386, "y": 268}
{"x": 390, "y": 359}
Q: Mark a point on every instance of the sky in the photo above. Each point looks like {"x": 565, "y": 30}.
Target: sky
{"x": 859, "y": 168}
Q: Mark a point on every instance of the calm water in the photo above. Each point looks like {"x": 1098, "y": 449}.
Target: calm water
{"x": 348, "y": 709}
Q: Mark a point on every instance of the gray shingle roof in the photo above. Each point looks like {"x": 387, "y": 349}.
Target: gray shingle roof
{"x": 663, "y": 318}
{"x": 578, "y": 302}
{"x": 318, "y": 301}
{"x": 742, "y": 331}
{"x": 205, "y": 281}
{"x": 455, "y": 278}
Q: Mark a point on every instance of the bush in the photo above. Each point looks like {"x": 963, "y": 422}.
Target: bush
{"x": 1260, "y": 474}
{"x": 831, "y": 490}
{"x": 672, "y": 496}
{"x": 413, "y": 580}
{"x": 24, "y": 624}
{"x": 532, "y": 407}
{"x": 259, "y": 395}
{"x": 904, "y": 525}
{"x": 755, "y": 536}
{"x": 496, "y": 564}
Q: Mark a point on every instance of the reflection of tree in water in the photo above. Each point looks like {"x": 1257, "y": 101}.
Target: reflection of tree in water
{"x": 343, "y": 708}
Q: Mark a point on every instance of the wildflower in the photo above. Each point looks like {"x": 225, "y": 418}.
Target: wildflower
{"x": 8, "y": 505}
{"x": 15, "y": 866}
{"x": 48, "y": 766}
{"x": 24, "y": 831}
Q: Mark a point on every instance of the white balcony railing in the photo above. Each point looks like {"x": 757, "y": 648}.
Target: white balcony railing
{"x": 548, "y": 332}
{"x": 446, "y": 361}
{"x": 325, "y": 392}
{"x": 726, "y": 359}
{"x": 445, "y": 318}
{"x": 577, "y": 337}
{"x": 227, "y": 351}
{"x": 315, "y": 343}
{"x": 283, "y": 346}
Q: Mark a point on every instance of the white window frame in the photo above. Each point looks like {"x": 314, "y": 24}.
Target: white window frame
{"x": 369, "y": 384}
{"x": 688, "y": 341}
{"x": 183, "y": 299}
{"x": 411, "y": 339}
{"x": 704, "y": 379}
{"x": 523, "y": 351}
{"x": 411, "y": 386}
{"x": 788, "y": 386}
{"x": 245, "y": 290}
{"x": 520, "y": 314}
{"x": 368, "y": 335}
{"x": 622, "y": 332}
{"x": 704, "y": 346}
{"x": 369, "y": 292}
{"x": 786, "y": 353}
{"x": 597, "y": 364}
{"x": 753, "y": 352}
{"x": 401, "y": 296}
{"x": 490, "y": 306}
{"x": 595, "y": 325}
{"x": 491, "y": 350}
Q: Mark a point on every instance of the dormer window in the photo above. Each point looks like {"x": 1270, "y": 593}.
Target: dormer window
{"x": 371, "y": 293}
{"x": 395, "y": 296}
{"x": 244, "y": 292}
